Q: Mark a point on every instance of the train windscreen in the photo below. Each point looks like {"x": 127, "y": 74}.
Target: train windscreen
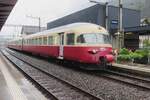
{"x": 93, "y": 38}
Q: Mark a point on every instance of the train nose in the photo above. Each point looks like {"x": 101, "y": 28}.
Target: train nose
{"x": 110, "y": 57}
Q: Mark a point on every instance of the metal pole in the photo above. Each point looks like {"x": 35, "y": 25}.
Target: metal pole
{"x": 120, "y": 15}
{"x": 39, "y": 20}
{"x": 120, "y": 27}
{"x": 39, "y": 24}
{"x": 106, "y": 23}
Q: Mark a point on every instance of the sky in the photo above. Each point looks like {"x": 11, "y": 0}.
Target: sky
{"x": 47, "y": 10}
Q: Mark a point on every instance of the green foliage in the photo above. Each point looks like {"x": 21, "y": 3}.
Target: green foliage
{"x": 126, "y": 55}
{"x": 123, "y": 57}
{"x": 135, "y": 55}
{"x": 124, "y": 51}
{"x": 146, "y": 21}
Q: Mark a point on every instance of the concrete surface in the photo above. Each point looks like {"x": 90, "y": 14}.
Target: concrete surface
{"x": 139, "y": 69}
{"x": 14, "y": 86}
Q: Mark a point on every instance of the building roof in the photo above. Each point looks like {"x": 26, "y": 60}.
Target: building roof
{"x": 142, "y": 30}
{"x": 6, "y": 7}
{"x": 32, "y": 29}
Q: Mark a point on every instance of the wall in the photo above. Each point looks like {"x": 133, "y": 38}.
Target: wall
{"x": 87, "y": 15}
{"x": 131, "y": 18}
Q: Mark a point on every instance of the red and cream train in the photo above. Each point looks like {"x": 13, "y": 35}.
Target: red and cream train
{"x": 80, "y": 42}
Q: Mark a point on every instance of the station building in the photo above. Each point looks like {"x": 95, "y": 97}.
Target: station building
{"x": 27, "y": 30}
{"x": 97, "y": 14}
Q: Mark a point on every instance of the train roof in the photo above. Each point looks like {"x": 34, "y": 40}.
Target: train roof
{"x": 76, "y": 27}
{"x": 16, "y": 39}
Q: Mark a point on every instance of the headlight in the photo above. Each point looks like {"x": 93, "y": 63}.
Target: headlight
{"x": 93, "y": 51}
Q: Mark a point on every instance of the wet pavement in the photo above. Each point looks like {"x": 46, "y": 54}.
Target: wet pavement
{"x": 14, "y": 86}
{"x": 4, "y": 91}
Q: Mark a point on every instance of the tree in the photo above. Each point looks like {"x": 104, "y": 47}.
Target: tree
{"x": 146, "y": 21}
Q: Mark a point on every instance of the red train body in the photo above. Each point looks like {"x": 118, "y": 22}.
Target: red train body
{"x": 80, "y": 42}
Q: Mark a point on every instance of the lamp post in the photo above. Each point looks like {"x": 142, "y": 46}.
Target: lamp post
{"x": 39, "y": 19}
{"x": 120, "y": 25}
{"x": 106, "y": 11}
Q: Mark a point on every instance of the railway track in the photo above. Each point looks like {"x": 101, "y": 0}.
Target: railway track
{"x": 136, "y": 81}
{"x": 57, "y": 88}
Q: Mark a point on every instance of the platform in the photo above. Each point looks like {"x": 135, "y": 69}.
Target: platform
{"x": 14, "y": 86}
{"x": 145, "y": 69}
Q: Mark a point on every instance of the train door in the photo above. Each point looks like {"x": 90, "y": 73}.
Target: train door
{"x": 61, "y": 47}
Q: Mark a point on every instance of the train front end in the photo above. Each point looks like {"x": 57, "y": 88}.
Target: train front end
{"x": 95, "y": 48}
{"x": 101, "y": 55}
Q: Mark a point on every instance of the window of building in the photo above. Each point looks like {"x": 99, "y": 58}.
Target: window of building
{"x": 70, "y": 39}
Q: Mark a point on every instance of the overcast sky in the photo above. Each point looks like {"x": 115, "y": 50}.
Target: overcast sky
{"x": 47, "y": 10}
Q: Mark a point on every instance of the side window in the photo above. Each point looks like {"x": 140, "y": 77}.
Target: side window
{"x": 70, "y": 40}
{"x": 40, "y": 41}
{"x": 50, "y": 40}
{"x": 45, "y": 40}
{"x": 36, "y": 41}
{"x": 20, "y": 42}
{"x": 80, "y": 39}
{"x": 24, "y": 41}
{"x": 56, "y": 40}
{"x": 32, "y": 41}
{"x": 28, "y": 42}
